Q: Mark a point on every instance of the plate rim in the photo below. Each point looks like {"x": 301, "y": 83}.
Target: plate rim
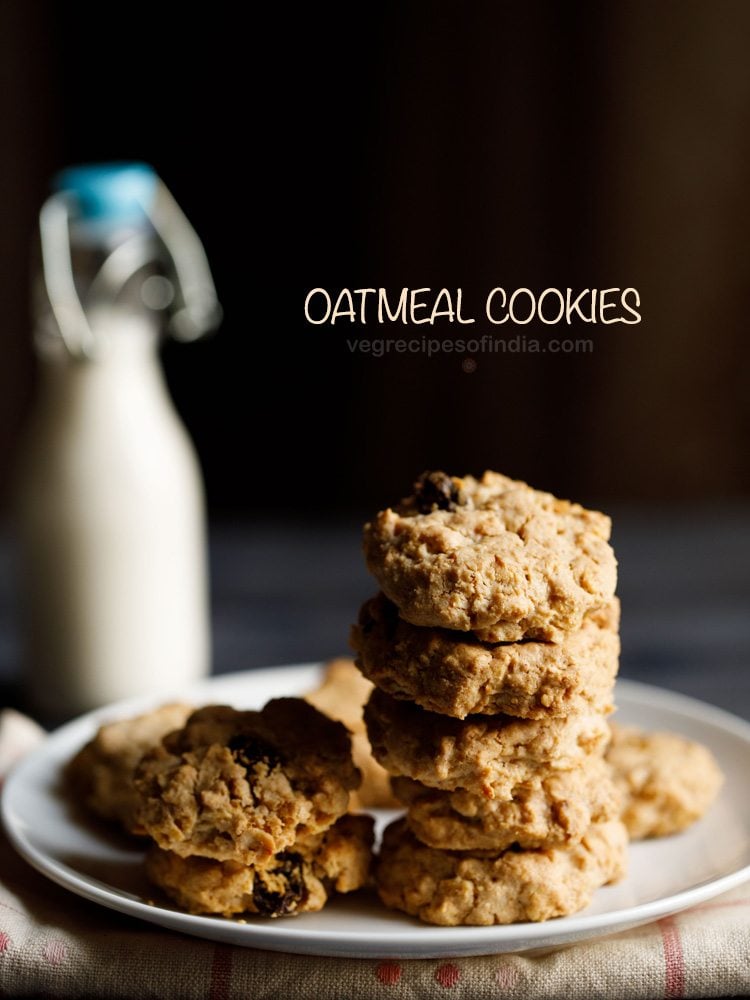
{"x": 408, "y": 941}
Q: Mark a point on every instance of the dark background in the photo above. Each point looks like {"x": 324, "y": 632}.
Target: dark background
{"x": 542, "y": 144}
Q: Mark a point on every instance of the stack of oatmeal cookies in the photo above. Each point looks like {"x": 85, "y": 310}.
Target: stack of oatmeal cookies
{"x": 247, "y": 811}
{"x": 494, "y": 648}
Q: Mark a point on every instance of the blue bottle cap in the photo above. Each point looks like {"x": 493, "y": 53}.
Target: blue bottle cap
{"x": 119, "y": 194}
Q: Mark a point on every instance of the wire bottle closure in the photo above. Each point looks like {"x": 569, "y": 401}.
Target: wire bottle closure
{"x": 194, "y": 309}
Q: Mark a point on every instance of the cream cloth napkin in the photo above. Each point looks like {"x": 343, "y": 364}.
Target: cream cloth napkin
{"x": 54, "y": 944}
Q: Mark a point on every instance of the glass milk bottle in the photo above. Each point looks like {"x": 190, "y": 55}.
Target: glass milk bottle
{"x": 109, "y": 500}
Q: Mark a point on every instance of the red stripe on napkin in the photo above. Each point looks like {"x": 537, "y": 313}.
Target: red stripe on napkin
{"x": 674, "y": 959}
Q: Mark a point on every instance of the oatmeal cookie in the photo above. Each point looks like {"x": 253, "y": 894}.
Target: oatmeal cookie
{"x": 492, "y": 556}
{"x": 545, "y": 812}
{"x": 452, "y": 887}
{"x": 667, "y": 782}
{"x": 243, "y": 786}
{"x": 298, "y": 880}
{"x": 101, "y": 774}
{"x": 342, "y": 696}
{"x": 486, "y": 754}
{"x": 453, "y": 673}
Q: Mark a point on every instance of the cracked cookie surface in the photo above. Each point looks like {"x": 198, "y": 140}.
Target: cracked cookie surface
{"x": 101, "y": 774}
{"x": 243, "y": 786}
{"x": 298, "y": 880}
{"x": 455, "y": 674}
{"x": 486, "y": 754}
{"x": 492, "y": 556}
{"x": 453, "y": 888}
{"x": 556, "y": 809}
{"x": 667, "y": 782}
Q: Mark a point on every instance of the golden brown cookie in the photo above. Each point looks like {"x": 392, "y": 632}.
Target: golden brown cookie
{"x": 486, "y": 754}
{"x": 667, "y": 782}
{"x": 342, "y": 696}
{"x": 101, "y": 774}
{"x": 299, "y": 880}
{"x": 545, "y": 812}
{"x": 455, "y": 674}
{"x": 452, "y": 888}
{"x": 243, "y": 786}
{"x": 492, "y": 556}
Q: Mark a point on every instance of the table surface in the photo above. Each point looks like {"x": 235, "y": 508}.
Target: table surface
{"x": 285, "y": 592}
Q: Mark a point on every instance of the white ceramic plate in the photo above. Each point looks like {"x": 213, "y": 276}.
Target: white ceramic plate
{"x": 666, "y": 875}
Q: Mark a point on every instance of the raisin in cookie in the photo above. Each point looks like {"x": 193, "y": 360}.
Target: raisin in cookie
{"x": 101, "y": 774}
{"x": 453, "y": 673}
{"x": 486, "y": 754}
{"x": 454, "y": 887}
{"x": 667, "y": 781}
{"x": 298, "y": 880}
{"x": 342, "y": 696}
{"x": 492, "y": 556}
{"x": 556, "y": 809}
{"x": 242, "y": 786}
